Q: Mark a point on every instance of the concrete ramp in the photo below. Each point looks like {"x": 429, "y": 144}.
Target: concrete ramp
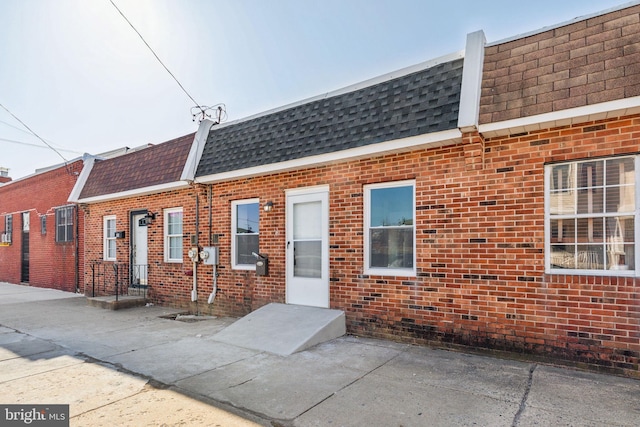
{"x": 284, "y": 329}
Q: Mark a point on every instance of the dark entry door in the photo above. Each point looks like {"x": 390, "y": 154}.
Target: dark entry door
{"x": 24, "y": 275}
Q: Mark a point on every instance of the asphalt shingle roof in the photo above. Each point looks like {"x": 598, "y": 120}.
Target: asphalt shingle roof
{"x": 422, "y": 102}
{"x": 158, "y": 164}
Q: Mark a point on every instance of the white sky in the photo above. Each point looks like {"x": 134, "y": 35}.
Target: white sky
{"x": 78, "y": 75}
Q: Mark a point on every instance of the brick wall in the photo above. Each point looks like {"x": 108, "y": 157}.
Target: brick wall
{"x": 584, "y": 63}
{"x": 480, "y": 249}
{"x": 51, "y": 264}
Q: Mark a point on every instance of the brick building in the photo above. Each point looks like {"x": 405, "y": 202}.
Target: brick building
{"x": 486, "y": 199}
{"x": 125, "y": 201}
{"x": 40, "y": 229}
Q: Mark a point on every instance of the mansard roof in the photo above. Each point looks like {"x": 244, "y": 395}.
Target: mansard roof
{"x": 414, "y": 103}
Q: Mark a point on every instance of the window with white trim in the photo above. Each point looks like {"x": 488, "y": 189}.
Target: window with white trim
{"x": 245, "y": 233}
{"x": 109, "y": 238}
{"x": 173, "y": 235}
{"x": 590, "y": 216}
{"x": 64, "y": 224}
{"x": 389, "y": 228}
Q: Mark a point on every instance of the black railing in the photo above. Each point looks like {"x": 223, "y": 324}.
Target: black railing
{"x": 118, "y": 279}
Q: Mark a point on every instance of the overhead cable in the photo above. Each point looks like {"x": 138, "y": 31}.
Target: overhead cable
{"x": 33, "y": 133}
{"x": 157, "y": 57}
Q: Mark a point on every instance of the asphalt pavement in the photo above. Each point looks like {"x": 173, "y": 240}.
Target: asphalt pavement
{"x": 150, "y": 366}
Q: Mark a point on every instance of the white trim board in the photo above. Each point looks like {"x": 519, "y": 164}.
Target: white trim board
{"x": 431, "y": 140}
{"x": 587, "y": 113}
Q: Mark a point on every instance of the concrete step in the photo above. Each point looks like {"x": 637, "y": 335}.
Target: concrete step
{"x": 110, "y": 303}
{"x": 284, "y": 329}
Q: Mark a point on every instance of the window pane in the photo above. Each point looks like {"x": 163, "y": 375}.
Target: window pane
{"x": 391, "y": 206}
{"x": 175, "y": 247}
{"x": 591, "y": 183}
{"x": 111, "y": 249}
{"x": 245, "y": 245}
{"x": 563, "y": 256}
{"x": 391, "y": 247}
{"x": 111, "y": 228}
{"x": 247, "y": 218}
{"x": 307, "y": 259}
{"x": 175, "y": 223}
{"x": 307, "y": 220}
{"x": 620, "y": 191}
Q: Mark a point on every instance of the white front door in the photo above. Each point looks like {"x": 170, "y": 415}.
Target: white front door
{"x": 139, "y": 251}
{"x": 308, "y": 247}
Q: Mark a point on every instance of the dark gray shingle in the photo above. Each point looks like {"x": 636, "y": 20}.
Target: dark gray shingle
{"x": 422, "y": 102}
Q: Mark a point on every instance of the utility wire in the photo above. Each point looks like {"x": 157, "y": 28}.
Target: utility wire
{"x": 157, "y": 57}
{"x": 34, "y": 134}
{"x": 29, "y": 144}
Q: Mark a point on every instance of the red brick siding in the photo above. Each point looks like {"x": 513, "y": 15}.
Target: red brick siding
{"x": 480, "y": 250}
{"x": 584, "y": 63}
{"x": 51, "y": 264}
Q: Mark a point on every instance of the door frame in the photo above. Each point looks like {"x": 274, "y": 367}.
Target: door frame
{"x": 322, "y": 193}
{"x": 132, "y": 242}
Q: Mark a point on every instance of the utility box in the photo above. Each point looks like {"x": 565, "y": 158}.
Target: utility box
{"x": 262, "y": 265}
{"x": 210, "y": 255}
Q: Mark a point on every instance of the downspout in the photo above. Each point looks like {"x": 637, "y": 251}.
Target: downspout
{"x": 214, "y": 288}
{"x": 194, "y": 292}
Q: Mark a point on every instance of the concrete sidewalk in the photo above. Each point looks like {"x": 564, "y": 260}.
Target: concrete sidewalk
{"x": 140, "y": 367}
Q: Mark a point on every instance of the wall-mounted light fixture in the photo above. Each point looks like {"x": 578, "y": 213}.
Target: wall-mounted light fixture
{"x": 268, "y": 206}
{"x": 147, "y": 219}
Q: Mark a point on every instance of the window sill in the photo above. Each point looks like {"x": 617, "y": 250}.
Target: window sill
{"x": 390, "y": 272}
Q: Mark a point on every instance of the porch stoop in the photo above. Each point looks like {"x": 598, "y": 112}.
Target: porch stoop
{"x": 284, "y": 329}
{"x": 124, "y": 301}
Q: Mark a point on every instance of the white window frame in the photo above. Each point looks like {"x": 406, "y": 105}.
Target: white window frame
{"x": 548, "y": 217}
{"x": 234, "y": 223}
{"x": 386, "y": 271}
{"x": 106, "y": 239}
{"x": 168, "y": 237}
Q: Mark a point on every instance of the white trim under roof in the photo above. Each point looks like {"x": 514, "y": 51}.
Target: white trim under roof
{"x": 587, "y": 113}
{"x": 160, "y": 188}
{"x": 429, "y": 140}
{"x": 565, "y": 23}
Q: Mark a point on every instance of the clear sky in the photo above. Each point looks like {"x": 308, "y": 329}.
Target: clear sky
{"x": 77, "y": 74}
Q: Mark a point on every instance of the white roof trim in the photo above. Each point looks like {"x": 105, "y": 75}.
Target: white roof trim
{"x": 87, "y": 166}
{"x": 376, "y": 80}
{"x": 587, "y": 113}
{"x": 436, "y": 139}
{"x": 469, "y": 109}
{"x": 565, "y": 23}
{"x": 160, "y": 188}
{"x": 197, "y": 148}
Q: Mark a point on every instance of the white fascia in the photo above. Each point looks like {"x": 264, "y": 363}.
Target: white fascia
{"x": 160, "y": 188}
{"x": 195, "y": 153}
{"x": 570, "y": 116}
{"x": 430, "y": 140}
{"x": 471, "y": 82}
{"x": 87, "y": 166}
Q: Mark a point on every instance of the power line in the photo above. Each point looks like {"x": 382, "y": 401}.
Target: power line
{"x": 34, "y": 134}
{"x": 29, "y": 144}
{"x": 157, "y": 57}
